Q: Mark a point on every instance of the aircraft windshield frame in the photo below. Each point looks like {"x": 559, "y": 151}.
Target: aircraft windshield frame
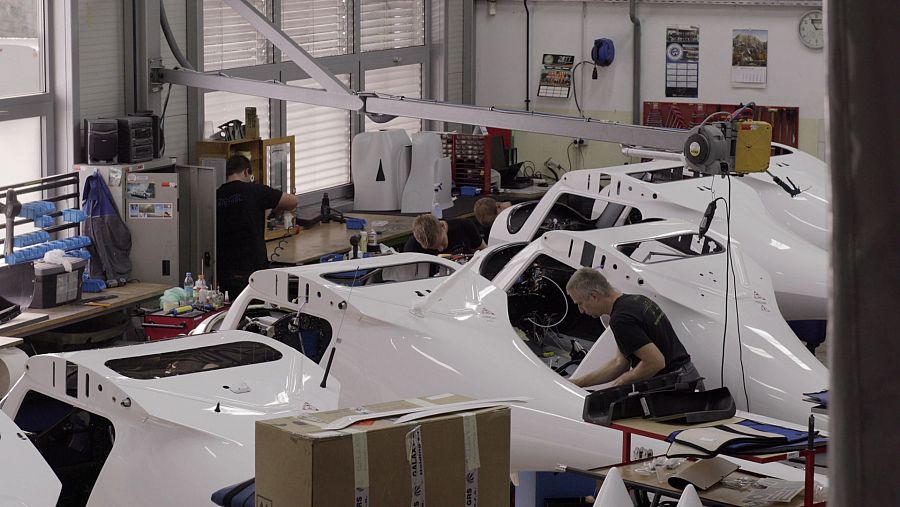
{"x": 405, "y": 272}
{"x": 195, "y": 360}
{"x": 670, "y": 248}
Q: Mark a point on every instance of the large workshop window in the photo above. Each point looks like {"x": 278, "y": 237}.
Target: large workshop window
{"x": 26, "y": 104}
{"x": 229, "y": 41}
{"x": 405, "y": 80}
{"x": 371, "y": 45}
{"x": 20, "y": 142}
{"x": 321, "y": 27}
{"x": 323, "y": 141}
{"x": 391, "y": 24}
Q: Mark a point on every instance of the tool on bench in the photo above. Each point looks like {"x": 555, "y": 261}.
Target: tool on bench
{"x": 95, "y": 299}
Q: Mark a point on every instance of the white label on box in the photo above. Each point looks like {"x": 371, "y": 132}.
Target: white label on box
{"x": 66, "y": 287}
{"x": 361, "y": 469}
{"x": 416, "y": 466}
{"x": 472, "y": 488}
{"x": 473, "y": 460}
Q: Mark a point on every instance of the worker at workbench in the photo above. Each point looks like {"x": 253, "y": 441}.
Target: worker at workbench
{"x": 454, "y": 236}
{"x": 486, "y": 211}
{"x": 241, "y": 207}
{"x": 647, "y": 343}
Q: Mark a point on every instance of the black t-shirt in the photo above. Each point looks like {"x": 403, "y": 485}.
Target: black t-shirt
{"x": 240, "y": 221}
{"x": 484, "y": 230}
{"x": 636, "y": 321}
{"x": 462, "y": 238}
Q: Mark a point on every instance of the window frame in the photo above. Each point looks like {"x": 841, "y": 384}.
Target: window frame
{"x": 39, "y": 105}
{"x": 355, "y": 64}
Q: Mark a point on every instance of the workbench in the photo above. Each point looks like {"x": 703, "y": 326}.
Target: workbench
{"x": 716, "y": 496}
{"x": 126, "y": 296}
{"x": 660, "y": 431}
{"x": 322, "y": 239}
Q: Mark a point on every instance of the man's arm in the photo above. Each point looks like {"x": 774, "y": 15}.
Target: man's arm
{"x": 287, "y": 201}
{"x": 611, "y": 370}
{"x": 652, "y": 361}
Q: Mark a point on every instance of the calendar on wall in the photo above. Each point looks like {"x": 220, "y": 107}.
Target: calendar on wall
{"x": 682, "y": 61}
{"x": 556, "y": 76}
{"x": 749, "y": 58}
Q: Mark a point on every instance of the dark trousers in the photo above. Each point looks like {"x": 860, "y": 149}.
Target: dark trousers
{"x": 234, "y": 282}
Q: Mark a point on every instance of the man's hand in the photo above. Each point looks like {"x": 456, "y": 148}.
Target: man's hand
{"x": 287, "y": 201}
{"x": 612, "y": 369}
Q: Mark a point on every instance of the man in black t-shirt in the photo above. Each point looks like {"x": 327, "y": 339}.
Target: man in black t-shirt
{"x": 648, "y": 345}
{"x": 434, "y": 236}
{"x": 240, "y": 224}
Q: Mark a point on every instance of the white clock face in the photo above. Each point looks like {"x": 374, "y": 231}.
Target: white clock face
{"x": 812, "y": 30}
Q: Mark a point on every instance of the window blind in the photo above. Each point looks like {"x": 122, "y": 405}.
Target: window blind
{"x": 322, "y": 136}
{"x": 230, "y": 41}
{"x": 391, "y": 24}
{"x": 321, "y": 27}
{"x": 405, "y": 80}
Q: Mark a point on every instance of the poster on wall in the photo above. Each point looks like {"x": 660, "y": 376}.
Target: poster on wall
{"x": 556, "y": 76}
{"x": 682, "y": 61}
{"x": 749, "y": 58}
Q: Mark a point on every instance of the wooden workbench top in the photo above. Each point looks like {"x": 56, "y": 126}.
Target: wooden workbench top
{"x": 323, "y": 239}
{"x": 127, "y": 295}
{"x": 6, "y": 341}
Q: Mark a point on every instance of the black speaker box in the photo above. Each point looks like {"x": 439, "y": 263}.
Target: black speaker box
{"x": 101, "y": 141}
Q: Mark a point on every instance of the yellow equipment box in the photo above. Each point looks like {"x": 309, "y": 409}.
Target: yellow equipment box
{"x": 753, "y": 147}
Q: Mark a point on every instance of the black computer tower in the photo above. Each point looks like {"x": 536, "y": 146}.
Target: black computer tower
{"x": 101, "y": 141}
{"x": 135, "y": 139}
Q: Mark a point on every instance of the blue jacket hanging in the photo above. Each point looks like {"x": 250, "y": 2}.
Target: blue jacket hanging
{"x": 110, "y": 238}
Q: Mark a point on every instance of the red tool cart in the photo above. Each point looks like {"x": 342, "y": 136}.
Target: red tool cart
{"x": 160, "y": 325}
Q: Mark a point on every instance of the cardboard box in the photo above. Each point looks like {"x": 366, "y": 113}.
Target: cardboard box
{"x": 447, "y": 460}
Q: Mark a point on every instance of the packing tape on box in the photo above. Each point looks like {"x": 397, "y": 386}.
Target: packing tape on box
{"x": 421, "y": 403}
{"x": 473, "y": 460}
{"x": 360, "y": 468}
{"x": 416, "y": 466}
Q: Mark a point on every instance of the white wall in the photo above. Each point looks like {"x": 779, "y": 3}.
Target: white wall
{"x": 796, "y": 73}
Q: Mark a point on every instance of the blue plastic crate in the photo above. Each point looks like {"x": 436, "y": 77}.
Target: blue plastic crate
{"x": 81, "y": 254}
{"x": 468, "y": 191}
{"x": 356, "y": 224}
{"x": 34, "y": 209}
{"x": 73, "y": 215}
{"x": 43, "y": 221}
{"x": 31, "y": 238}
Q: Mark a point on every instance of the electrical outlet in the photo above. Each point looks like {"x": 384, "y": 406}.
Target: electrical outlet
{"x": 579, "y": 142}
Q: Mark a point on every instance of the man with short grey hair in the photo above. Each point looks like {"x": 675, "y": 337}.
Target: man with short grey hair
{"x": 648, "y": 345}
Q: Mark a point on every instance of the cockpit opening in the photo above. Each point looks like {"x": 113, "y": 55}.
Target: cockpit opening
{"x": 547, "y": 319}
{"x": 573, "y": 212}
{"x": 652, "y": 251}
{"x": 389, "y": 274}
{"x": 73, "y": 441}
{"x": 196, "y": 360}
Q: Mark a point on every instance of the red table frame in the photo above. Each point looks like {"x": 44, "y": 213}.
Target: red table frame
{"x": 809, "y": 455}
